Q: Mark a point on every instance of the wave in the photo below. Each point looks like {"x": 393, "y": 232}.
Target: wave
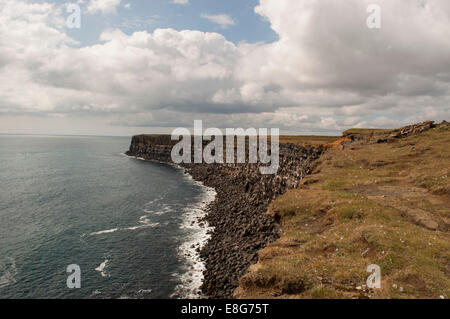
{"x": 199, "y": 231}
{"x": 153, "y": 160}
{"x": 167, "y": 208}
{"x": 142, "y": 226}
{"x": 96, "y": 292}
{"x": 101, "y": 268}
{"x": 143, "y": 220}
{"x": 135, "y": 157}
{"x": 144, "y": 291}
{"x": 9, "y": 271}
{"x": 104, "y": 232}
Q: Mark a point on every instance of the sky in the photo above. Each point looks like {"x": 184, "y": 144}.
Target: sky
{"x": 148, "y": 66}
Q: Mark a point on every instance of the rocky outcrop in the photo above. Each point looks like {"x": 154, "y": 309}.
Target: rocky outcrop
{"x": 368, "y": 136}
{"x": 238, "y": 214}
{"x": 407, "y": 131}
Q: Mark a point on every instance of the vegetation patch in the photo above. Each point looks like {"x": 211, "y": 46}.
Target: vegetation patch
{"x": 378, "y": 200}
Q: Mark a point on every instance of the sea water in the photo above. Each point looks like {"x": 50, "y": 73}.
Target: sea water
{"x": 131, "y": 225}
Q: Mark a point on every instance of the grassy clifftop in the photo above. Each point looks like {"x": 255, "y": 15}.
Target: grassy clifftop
{"x": 382, "y": 197}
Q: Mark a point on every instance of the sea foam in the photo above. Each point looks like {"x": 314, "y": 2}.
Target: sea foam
{"x": 192, "y": 278}
{"x": 199, "y": 230}
{"x": 101, "y": 268}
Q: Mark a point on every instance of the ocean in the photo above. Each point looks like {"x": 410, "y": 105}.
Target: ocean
{"x": 131, "y": 225}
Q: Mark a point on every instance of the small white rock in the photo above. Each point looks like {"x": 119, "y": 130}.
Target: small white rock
{"x": 394, "y": 286}
{"x": 442, "y": 297}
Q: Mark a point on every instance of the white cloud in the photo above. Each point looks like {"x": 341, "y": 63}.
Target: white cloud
{"x": 127, "y": 5}
{"x": 181, "y": 1}
{"x": 326, "y": 72}
{"x": 127, "y": 73}
{"x": 224, "y": 20}
{"x": 103, "y": 6}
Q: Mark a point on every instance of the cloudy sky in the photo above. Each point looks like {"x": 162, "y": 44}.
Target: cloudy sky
{"x": 146, "y": 66}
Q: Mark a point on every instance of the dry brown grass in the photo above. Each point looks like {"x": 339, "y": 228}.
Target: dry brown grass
{"x": 308, "y": 140}
{"x": 384, "y": 204}
{"x": 305, "y": 140}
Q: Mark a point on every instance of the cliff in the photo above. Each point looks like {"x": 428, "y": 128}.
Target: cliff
{"x": 374, "y": 197}
{"x": 241, "y": 225}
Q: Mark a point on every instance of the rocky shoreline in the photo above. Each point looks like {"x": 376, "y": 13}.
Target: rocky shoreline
{"x": 238, "y": 214}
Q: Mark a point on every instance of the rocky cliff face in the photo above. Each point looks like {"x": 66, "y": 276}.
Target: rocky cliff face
{"x": 238, "y": 214}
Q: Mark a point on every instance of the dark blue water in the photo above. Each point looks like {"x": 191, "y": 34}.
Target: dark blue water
{"x": 77, "y": 200}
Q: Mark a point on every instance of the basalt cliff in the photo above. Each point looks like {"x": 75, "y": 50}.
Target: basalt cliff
{"x": 241, "y": 225}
